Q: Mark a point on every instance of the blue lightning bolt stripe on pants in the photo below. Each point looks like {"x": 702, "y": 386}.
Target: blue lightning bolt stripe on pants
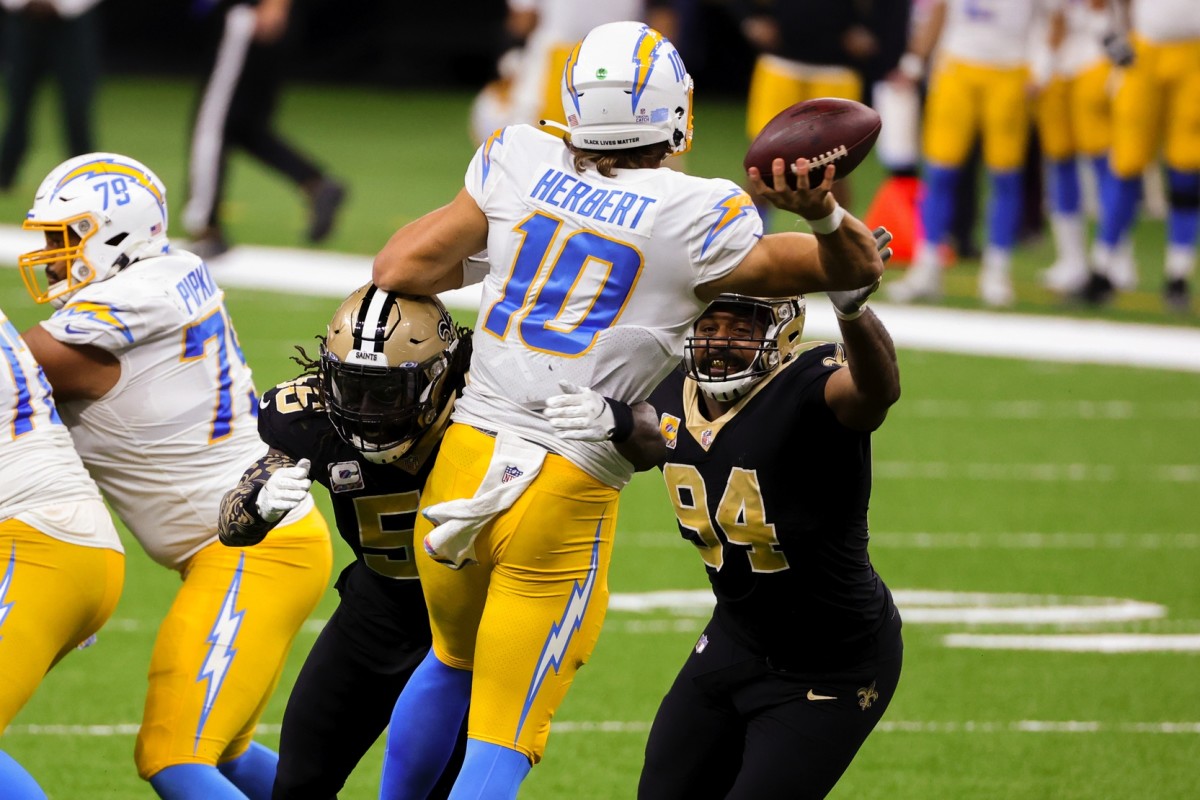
{"x": 529, "y": 614}
{"x": 222, "y": 646}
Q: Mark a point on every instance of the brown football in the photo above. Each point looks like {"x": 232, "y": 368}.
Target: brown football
{"x": 827, "y": 130}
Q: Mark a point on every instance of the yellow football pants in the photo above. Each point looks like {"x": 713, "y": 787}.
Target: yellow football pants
{"x": 221, "y": 648}
{"x": 53, "y": 596}
{"x": 777, "y": 83}
{"x": 1157, "y": 106}
{"x": 527, "y": 616}
{"x": 966, "y": 100}
{"x": 1074, "y": 115}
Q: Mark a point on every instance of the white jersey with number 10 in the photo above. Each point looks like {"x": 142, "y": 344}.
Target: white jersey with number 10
{"x": 592, "y": 281}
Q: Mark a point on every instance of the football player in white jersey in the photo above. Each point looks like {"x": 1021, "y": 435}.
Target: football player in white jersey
{"x": 1156, "y": 109}
{"x": 527, "y": 89}
{"x": 1074, "y": 117}
{"x": 979, "y": 87}
{"x": 152, "y": 385}
{"x": 61, "y": 562}
{"x": 599, "y": 263}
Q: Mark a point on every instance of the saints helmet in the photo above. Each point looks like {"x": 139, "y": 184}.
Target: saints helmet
{"x": 388, "y": 370}
{"x": 775, "y": 327}
{"x": 100, "y": 213}
{"x": 624, "y": 86}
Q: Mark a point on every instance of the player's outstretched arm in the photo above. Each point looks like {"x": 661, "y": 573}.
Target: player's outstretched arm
{"x": 841, "y": 254}
{"x": 860, "y": 393}
{"x": 426, "y": 255}
{"x": 268, "y": 489}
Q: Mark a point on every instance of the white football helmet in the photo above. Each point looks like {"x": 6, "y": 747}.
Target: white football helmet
{"x": 715, "y": 363}
{"x": 624, "y": 85}
{"x": 100, "y": 212}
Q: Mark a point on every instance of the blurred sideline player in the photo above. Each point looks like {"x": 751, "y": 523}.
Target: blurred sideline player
{"x": 1156, "y": 108}
{"x": 1074, "y": 111}
{"x": 151, "y": 382}
{"x": 61, "y": 562}
{"x": 600, "y": 260}
{"x": 368, "y": 418}
{"x": 530, "y": 75}
{"x": 807, "y": 49}
{"x": 896, "y": 95}
{"x": 979, "y": 86}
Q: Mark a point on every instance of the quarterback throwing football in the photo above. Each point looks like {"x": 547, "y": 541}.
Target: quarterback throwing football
{"x": 599, "y": 262}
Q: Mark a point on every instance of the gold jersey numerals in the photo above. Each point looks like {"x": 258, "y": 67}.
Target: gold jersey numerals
{"x": 741, "y": 517}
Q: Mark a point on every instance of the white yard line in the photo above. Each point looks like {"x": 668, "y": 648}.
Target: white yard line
{"x": 642, "y": 727}
{"x": 1038, "y": 473}
{"x": 1178, "y": 410}
{"x": 961, "y": 540}
{"x": 1076, "y": 642}
{"x": 1010, "y": 335}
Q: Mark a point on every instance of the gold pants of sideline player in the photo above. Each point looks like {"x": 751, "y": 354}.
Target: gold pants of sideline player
{"x": 777, "y": 83}
{"x": 1074, "y": 115}
{"x": 966, "y": 100}
{"x": 1157, "y": 105}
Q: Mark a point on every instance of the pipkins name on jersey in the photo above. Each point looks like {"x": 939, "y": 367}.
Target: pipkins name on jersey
{"x": 196, "y": 287}
{"x": 627, "y": 210}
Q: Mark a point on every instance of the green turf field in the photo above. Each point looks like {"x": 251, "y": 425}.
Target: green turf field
{"x": 1014, "y": 498}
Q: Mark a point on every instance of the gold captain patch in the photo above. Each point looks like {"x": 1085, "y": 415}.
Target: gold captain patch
{"x": 668, "y": 426}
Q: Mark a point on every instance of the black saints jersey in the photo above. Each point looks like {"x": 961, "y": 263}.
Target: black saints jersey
{"x": 774, "y": 496}
{"x": 374, "y": 505}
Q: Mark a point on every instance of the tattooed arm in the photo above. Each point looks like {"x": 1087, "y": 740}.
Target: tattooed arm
{"x": 241, "y": 524}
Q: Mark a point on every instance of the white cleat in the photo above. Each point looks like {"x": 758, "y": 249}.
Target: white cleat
{"x": 920, "y": 283}
{"x": 996, "y": 289}
{"x": 1065, "y": 277}
{"x": 1122, "y": 269}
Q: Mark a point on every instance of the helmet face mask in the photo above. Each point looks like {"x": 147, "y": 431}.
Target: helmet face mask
{"x": 99, "y": 213}
{"x": 625, "y": 86}
{"x": 384, "y": 371}
{"x": 726, "y": 362}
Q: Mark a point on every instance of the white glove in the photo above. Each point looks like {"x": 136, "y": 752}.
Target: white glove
{"x": 580, "y": 413}
{"x": 283, "y": 491}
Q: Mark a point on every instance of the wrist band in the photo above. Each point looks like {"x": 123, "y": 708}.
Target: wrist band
{"x": 851, "y": 316}
{"x": 830, "y": 223}
{"x": 911, "y": 66}
{"x": 622, "y": 420}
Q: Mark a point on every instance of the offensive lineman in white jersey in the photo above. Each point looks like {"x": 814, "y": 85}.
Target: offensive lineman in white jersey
{"x": 599, "y": 263}
{"x": 152, "y": 384}
{"x": 61, "y": 563}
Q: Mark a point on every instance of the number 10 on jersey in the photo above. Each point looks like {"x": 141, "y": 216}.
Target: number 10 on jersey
{"x": 538, "y": 296}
